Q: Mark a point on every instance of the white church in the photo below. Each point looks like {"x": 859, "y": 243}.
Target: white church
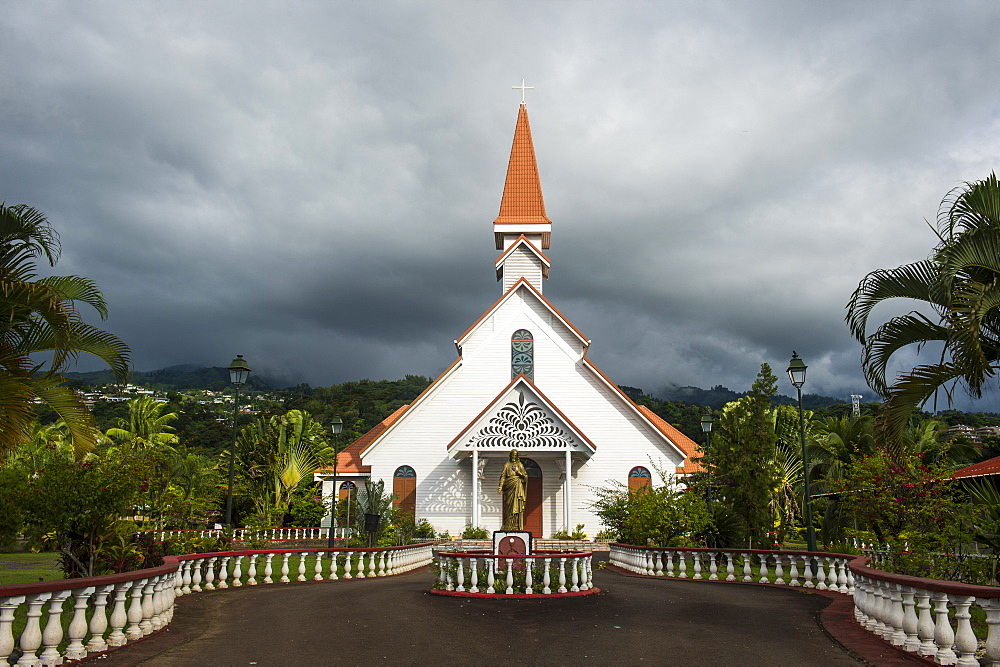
{"x": 522, "y": 380}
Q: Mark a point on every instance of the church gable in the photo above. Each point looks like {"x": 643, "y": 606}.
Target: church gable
{"x": 521, "y": 418}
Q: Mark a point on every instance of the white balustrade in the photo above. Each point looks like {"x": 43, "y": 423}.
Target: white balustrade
{"x": 124, "y": 611}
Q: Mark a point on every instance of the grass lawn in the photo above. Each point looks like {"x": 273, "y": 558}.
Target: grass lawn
{"x": 25, "y": 568}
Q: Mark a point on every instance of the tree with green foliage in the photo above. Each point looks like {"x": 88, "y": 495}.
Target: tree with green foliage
{"x": 146, "y": 426}
{"x": 274, "y": 456}
{"x": 663, "y": 515}
{"x": 741, "y": 462}
{"x": 960, "y": 284}
{"x": 41, "y": 316}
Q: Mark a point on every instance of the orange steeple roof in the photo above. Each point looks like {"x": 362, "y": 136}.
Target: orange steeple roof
{"x": 522, "y": 192}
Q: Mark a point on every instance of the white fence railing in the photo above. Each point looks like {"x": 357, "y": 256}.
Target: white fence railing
{"x": 536, "y": 574}
{"x": 125, "y": 607}
{"x": 928, "y": 617}
{"x": 243, "y": 534}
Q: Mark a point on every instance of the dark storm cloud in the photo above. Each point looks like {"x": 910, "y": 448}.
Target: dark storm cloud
{"x": 312, "y": 184}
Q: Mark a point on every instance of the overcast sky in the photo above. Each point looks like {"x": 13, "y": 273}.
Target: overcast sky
{"x": 312, "y": 185}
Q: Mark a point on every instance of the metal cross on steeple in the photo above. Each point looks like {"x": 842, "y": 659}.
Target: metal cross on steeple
{"x": 522, "y": 88}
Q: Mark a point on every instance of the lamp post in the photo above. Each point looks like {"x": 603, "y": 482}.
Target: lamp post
{"x": 797, "y": 376}
{"x": 239, "y": 371}
{"x": 706, "y": 427}
{"x": 336, "y": 425}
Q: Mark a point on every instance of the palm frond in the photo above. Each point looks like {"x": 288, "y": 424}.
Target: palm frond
{"x": 909, "y": 281}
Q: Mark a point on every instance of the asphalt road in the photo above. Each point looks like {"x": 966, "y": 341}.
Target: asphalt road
{"x": 396, "y": 621}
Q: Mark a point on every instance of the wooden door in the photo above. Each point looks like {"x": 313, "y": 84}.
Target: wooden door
{"x": 533, "y": 501}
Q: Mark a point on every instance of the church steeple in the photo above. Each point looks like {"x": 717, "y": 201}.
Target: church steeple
{"x": 522, "y": 209}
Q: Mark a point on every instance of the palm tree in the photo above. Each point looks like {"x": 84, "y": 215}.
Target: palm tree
{"x": 40, "y": 315}
{"x": 959, "y": 284}
{"x": 146, "y": 426}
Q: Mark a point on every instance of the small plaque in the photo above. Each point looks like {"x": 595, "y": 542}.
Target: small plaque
{"x": 511, "y": 543}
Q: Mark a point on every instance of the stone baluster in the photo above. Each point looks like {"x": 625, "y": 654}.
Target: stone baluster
{"x": 730, "y": 566}
{"x": 873, "y": 605}
{"x": 178, "y": 580}
{"x": 52, "y": 635}
{"x": 252, "y": 571}
{"x": 371, "y": 564}
{"x": 681, "y": 565}
{"x": 31, "y": 636}
{"x": 381, "y": 563}
{"x": 658, "y": 563}
{"x": 98, "y": 620}
{"x": 459, "y": 575}
{"x": 210, "y": 574}
{"x": 670, "y": 563}
{"x": 992, "y": 648}
{"x": 196, "y": 575}
{"x": 334, "y": 565}
{"x": 268, "y": 568}
{"x": 842, "y": 576}
{"x": 119, "y": 616}
{"x": 575, "y": 578}
{"x": 547, "y": 577}
{"x": 490, "y": 576}
{"x": 925, "y": 623}
{"x": 8, "y": 606}
{"x": 224, "y": 573}
{"x": 590, "y": 572}
{"x": 474, "y": 574}
{"x": 765, "y": 577}
{"x": 134, "y": 615}
{"x": 186, "y": 577}
{"x": 510, "y": 578}
{"x": 78, "y": 626}
{"x": 807, "y": 572}
{"x": 850, "y": 578}
{"x": 910, "y": 620}
{"x": 696, "y": 561}
{"x": 793, "y": 572}
{"x": 347, "y": 565}
{"x": 318, "y": 567}
{"x": 820, "y": 575}
{"x": 747, "y": 567}
{"x": 146, "y": 607}
{"x": 897, "y": 615}
{"x": 562, "y": 575}
{"x": 529, "y": 566}
{"x": 779, "y": 572}
{"x": 302, "y": 567}
{"x": 713, "y": 567}
{"x": 157, "y": 620}
{"x": 861, "y": 602}
{"x": 965, "y": 639}
{"x": 882, "y": 610}
{"x": 284, "y": 568}
{"x": 944, "y": 636}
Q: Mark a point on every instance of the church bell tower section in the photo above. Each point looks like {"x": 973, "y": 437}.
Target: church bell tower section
{"x": 522, "y": 230}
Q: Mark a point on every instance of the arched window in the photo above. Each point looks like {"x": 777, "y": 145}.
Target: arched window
{"x": 347, "y": 488}
{"x": 404, "y": 486}
{"x": 639, "y": 478}
{"x": 522, "y": 354}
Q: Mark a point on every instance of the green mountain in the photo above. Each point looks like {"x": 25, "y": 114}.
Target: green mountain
{"x": 175, "y": 378}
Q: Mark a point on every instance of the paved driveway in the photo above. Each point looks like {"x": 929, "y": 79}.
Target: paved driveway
{"x": 396, "y": 621}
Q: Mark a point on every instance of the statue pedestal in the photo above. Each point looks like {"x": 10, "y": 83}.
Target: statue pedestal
{"x": 512, "y": 543}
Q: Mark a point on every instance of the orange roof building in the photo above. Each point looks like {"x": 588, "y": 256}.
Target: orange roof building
{"x": 522, "y": 380}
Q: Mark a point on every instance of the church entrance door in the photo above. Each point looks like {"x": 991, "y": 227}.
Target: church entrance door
{"x": 533, "y": 501}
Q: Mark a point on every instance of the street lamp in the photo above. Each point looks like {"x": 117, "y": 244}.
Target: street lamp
{"x": 336, "y": 425}
{"x": 239, "y": 371}
{"x": 706, "y": 427}
{"x": 797, "y": 376}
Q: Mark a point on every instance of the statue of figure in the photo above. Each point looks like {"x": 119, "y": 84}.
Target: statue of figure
{"x": 513, "y": 488}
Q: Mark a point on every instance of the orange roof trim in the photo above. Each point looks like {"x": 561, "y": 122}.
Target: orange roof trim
{"x": 349, "y": 460}
{"x": 522, "y": 239}
{"x": 522, "y": 201}
{"x": 506, "y": 295}
{"x": 686, "y": 444}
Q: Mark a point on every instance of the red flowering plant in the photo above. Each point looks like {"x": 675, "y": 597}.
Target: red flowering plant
{"x": 913, "y": 508}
